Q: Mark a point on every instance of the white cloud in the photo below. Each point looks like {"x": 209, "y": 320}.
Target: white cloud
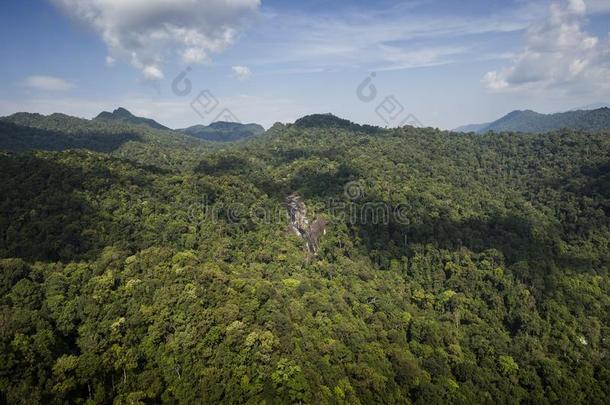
{"x": 241, "y": 72}
{"x": 577, "y": 7}
{"x": 559, "y": 54}
{"x": 152, "y": 72}
{"x": 48, "y": 83}
{"x": 598, "y": 7}
{"x": 147, "y": 32}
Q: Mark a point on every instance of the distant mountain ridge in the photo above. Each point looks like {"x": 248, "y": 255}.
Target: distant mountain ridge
{"x": 531, "y": 121}
{"x": 222, "y": 131}
{"x": 55, "y": 121}
{"x": 31, "y": 131}
{"x": 123, "y": 115}
{"x": 59, "y": 131}
{"x": 24, "y": 131}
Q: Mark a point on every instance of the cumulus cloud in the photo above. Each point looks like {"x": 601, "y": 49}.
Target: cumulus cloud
{"x": 558, "y": 54}
{"x": 48, "y": 83}
{"x": 241, "y": 72}
{"x": 147, "y": 32}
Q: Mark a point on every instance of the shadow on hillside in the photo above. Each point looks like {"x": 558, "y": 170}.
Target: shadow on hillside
{"x": 312, "y": 183}
{"x": 18, "y": 138}
{"x": 228, "y": 164}
{"x": 597, "y": 182}
{"x": 236, "y": 164}
{"x": 284, "y": 155}
{"x": 513, "y": 236}
{"x": 43, "y": 212}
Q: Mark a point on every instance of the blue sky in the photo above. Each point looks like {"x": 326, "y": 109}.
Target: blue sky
{"x": 448, "y": 63}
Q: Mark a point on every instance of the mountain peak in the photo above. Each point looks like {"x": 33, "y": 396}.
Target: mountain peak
{"x": 322, "y": 120}
{"x": 123, "y": 115}
{"x": 122, "y": 112}
{"x": 118, "y": 113}
{"x": 329, "y": 120}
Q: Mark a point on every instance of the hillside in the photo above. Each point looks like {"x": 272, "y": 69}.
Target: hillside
{"x": 330, "y": 121}
{"x": 23, "y": 132}
{"x": 449, "y": 268}
{"x": 224, "y": 131}
{"x": 533, "y": 122}
{"x": 123, "y": 116}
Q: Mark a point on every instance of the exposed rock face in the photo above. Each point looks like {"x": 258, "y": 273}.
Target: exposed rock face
{"x": 299, "y": 224}
{"x": 297, "y": 212}
{"x": 316, "y": 230}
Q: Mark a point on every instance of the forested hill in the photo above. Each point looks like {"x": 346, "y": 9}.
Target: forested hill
{"x": 455, "y": 268}
{"x": 328, "y": 121}
{"x": 224, "y": 131}
{"x": 57, "y": 132}
{"x": 531, "y": 121}
{"x": 124, "y": 116}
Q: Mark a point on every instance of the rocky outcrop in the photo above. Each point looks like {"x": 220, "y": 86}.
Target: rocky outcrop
{"x": 316, "y": 230}
{"x": 299, "y": 223}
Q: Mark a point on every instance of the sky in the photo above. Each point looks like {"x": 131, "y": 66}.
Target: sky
{"x": 185, "y": 62}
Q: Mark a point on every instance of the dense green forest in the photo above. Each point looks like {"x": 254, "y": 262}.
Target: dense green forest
{"x": 224, "y": 131}
{"x": 146, "y": 266}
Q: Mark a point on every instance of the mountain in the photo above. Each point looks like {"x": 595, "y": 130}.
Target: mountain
{"x": 322, "y": 121}
{"x": 22, "y": 132}
{"x": 122, "y": 115}
{"x": 531, "y": 121}
{"x": 25, "y": 131}
{"x": 332, "y": 121}
{"x": 317, "y": 264}
{"x": 222, "y": 131}
{"x": 52, "y": 122}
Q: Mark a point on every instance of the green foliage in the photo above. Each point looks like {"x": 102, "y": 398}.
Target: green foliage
{"x": 224, "y": 131}
{"x": 123, "y": 116}
{"x": 143, "y": 276}
{"x": 330, "y": 121}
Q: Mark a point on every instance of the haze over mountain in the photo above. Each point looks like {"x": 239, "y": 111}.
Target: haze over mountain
{"x": 472, "y": 127}
{"x": 594, "y": 106}
{"x": 533, "y": 122}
